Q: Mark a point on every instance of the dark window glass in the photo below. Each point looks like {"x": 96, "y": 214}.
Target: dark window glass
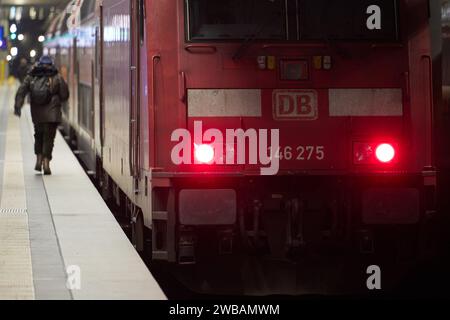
{"x": 346, "y": 20}
{"x": 141, "y": 21}
{"x": 302, "y": 20}
{"x": 87, "y": 8}
{"x": 86, "y": 107}
{"x": 236, "y": 19}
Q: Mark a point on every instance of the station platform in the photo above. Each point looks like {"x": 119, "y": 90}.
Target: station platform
{"x": 58, "y": 239}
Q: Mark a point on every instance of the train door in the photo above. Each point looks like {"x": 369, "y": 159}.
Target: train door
{"x": 143, "y": 100}
{"x": 135, "y": 88}
{"x": 138, "y": 100}
{"x": 74, "y": 94}
{"x": 98, "y": 85}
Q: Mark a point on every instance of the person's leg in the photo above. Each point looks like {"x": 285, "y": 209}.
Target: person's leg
{"x": 38, "y": 145}
{"x": 49, "y": 139}
{"x": 49, "y": 142}
{"x": 38, "y": 138}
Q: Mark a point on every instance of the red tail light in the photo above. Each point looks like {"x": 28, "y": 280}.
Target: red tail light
{"x": 366, "y": 153}
{"x": 204, "y": 153}
{"x": 385, "y": 153}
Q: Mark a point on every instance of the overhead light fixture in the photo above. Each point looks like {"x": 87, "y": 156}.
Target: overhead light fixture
{"x": 14, "y": 51}
{"x": 32, "y": 53}
{"x": 33, "y": 13}
{"x": 20, "y": 37}
{"x": 41, "y": 38}
{"x": 13, "y": 28}
{"x": 12, "y": 13}
{"x": 8, "y": 57}
{"x": 41, "y": 14}
{"x": 19, "y": 13}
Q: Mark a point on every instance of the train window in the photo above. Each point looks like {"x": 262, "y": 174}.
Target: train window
{"x": 97, "y": 52}
{"x": 356, "y": 20}
{"x": 86, "y": 107}
{"x": 87, "y": 9}
{"x": 142, "y": 17}
{"x": 236, "y": 19}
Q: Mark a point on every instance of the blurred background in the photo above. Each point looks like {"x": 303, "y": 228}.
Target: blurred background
{"x": 23, "y": 25}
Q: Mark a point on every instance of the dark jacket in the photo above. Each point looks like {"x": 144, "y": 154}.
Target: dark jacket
{"x": 50, "y": 112}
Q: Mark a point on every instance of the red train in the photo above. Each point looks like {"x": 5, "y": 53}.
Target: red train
{"x": 278, "y": 128}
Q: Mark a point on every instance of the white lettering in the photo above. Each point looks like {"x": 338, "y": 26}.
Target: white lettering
{"x": 374, "y": 20}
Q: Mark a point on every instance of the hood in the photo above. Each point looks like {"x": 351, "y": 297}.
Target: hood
{"x": 42, "y": 70}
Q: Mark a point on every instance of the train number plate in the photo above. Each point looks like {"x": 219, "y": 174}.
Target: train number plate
{"x": 300, "y": 153}
{"x": 295, "y": 105}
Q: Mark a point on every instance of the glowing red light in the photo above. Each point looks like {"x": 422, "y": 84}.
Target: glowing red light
{"x": 385, "y": 153}
{"x": 204, "y": 153}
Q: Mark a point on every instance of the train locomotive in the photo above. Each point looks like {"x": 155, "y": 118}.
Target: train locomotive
{"x": 280, "y": 129}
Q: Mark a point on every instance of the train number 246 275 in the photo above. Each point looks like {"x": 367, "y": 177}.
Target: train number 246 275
{"x": 300, "y": 153}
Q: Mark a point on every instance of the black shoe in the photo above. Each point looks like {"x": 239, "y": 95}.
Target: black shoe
{"x": 47, "y": 170}
{"x": 39, "y": 160}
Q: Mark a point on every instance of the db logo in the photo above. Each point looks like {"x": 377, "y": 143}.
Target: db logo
{"x": 295, "y": 105}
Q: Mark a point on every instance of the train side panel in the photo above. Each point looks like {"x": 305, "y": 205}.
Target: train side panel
{"x": 117, "y": 91}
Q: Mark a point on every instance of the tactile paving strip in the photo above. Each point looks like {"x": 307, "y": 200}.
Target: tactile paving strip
{"x": 16, "y": 275}
{"x": 13, "y": 211}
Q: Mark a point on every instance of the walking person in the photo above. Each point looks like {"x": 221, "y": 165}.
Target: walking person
{"x": 47, "y": 90}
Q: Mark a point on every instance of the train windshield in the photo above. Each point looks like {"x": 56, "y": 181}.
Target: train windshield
{"x": 356, "y": 20}
{"x": 292, "y": 20}
{"x": 236, "y": 19}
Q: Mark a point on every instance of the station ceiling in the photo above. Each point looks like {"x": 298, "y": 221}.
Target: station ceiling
{"x": 57, "y": 3}
{"x": 45, "y": 9}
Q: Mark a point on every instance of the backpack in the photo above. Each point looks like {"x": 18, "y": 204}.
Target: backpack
{"x": 41, "y": 91}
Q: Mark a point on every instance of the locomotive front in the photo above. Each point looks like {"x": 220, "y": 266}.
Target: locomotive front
{"x": 300, "y": 125}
